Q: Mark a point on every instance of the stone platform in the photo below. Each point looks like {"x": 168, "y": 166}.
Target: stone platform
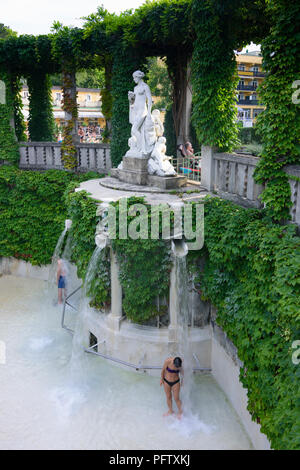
{"x": 110, "y": 189}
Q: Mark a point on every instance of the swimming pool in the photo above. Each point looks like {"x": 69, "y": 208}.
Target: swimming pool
{"x": 48, "y": 401}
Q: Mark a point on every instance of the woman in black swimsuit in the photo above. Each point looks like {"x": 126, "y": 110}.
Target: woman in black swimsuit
{"x": 171, "y": 382}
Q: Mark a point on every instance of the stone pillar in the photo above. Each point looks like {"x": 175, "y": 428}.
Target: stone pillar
{"x": 207, "y": 167}
{"x": 185, "y": 118}
{"x": 114, "y": 318}
{"x": 70, "y": 103}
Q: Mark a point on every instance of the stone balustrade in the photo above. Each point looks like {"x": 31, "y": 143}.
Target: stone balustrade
{"x": 293, "y": 171}
{"x": 231, "y": 176}
{"x": 47, "y": 156}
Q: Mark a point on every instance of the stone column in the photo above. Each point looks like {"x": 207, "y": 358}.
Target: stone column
{"x": 207, "y": 167}
{"x": 70, "y": 103}
{"x": 114, "y": 318}
{"x": 185, "y": 118}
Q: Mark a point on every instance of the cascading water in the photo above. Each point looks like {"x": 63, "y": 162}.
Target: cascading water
{"x": 79, "y": 336}
{"x": 56, "y": 255}
{"x": 183, "y": 319}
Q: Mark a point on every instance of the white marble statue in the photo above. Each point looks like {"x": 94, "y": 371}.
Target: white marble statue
{"x": 140, "y": 103}
{"x": 159, "y": 163}
{"x": 147, "y": 130}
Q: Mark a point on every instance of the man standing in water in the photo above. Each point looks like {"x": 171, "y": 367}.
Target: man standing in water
{"x": 171, "y": 382}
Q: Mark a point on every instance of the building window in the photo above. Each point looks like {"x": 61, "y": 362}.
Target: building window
{"x": 58, "y": 96}
{"x": 255, "y": 84}
{"x": 255, "y": 68}
{"x": 247, "y": 113}
{"x": 241, "y": 67}
{"x": 25, "y": 94}
{"x": 89, "y": 97}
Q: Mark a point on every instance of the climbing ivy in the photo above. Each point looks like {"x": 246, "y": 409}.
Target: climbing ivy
{"x": 214, "y": 77}
{"x": 169, "y": 133}
{"x": 20, "y": 126}
{"x": 41, "y": 120}
{"x": 9, "y": 150}
{"x": 125, "y": 63}
{"x": 144, "y": 266}
{"x": 252, "y": 276}
{"x": 279, "y": 124}
{"x": 32, "y": 211}
{"x": 82, "y": 210}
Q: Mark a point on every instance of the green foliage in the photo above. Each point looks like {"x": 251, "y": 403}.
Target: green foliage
{"x": 125, "y": 63}
{"x": 6, "y": 32}
{"x": 252, "y": 276}
{"x": 279, "y": 125}
{"x": 20, "y": 126}
{"x": 214, "y": 80}
{"x": 159, "y": 82}
{"x": 170, "y": 133}
{"x": 9, "y": 150}
{"x": 141, "y": 280}
{"x": 32, "y": 212}
{"x": 91, "y": 78}
{"x": 82, "y": 211}
{"x": 41, "y": 120}
{"x": 249, "y": 135}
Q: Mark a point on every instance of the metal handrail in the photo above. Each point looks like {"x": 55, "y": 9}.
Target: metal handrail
{"x": 64, "y": 309}
{"x": 189, "y": 166}
{"x": 134, "y": 366}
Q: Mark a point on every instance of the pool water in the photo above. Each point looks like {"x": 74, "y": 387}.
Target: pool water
{"x": 48, "y": 401}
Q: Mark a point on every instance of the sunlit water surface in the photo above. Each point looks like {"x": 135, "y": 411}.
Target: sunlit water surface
{"x": 47, "y": 404}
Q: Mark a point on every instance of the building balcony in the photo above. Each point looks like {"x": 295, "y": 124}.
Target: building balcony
{"x": 259, "y": 74}
{"x": 246, "y": 87}
{"x": 249, "y": 102}
{"x": 89, "y": 104}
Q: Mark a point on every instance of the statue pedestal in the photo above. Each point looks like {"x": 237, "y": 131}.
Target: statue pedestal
{"x": 167, "y": 182}
{"x": 135, "y": 171}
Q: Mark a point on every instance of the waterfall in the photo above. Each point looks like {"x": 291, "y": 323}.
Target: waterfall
{"x": 183, "y": 320}
{"x": 80, "y": 339}
{"x": 52, "y": 281}
{"x": 56, "y": 255}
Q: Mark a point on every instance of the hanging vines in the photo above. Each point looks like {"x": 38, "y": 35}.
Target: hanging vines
{"x": 279, "y": 124}
{"x": 41, "y": 120}
{"x": 9, "y": 150}
{"x": 68, "y": 148}
{"x": 125, "y": 63}
{"x": 214, "y": 80}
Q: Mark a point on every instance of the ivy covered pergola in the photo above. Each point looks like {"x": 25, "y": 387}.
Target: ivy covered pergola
{"x": 198, "y": 39}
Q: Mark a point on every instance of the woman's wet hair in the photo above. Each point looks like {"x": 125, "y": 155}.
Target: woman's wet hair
{"x": 177, "y": 362}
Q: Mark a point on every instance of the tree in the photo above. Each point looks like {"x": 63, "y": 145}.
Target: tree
{"x": 159, "y": 82}
{"x": 6, "y": 32}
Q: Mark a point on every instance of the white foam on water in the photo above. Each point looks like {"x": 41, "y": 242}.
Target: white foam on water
{"x": 68, "y": 400}
{"x": 188, "y": 425}
{"x": 38, "y": 344}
